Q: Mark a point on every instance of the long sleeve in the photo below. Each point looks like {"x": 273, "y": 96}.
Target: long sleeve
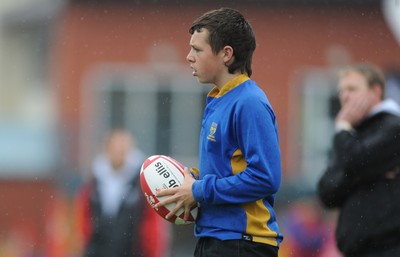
{"x": 360, "y": 158}
{"x": 334, "y": 186}
{"x": 369, "y": 153}
{"x": 255, "y": 130}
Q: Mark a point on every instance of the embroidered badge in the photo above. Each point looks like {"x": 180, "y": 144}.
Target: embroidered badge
{"x": 213, "y": 129}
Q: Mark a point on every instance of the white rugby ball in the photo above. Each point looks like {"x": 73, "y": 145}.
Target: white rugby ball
{"x": 162, "y": 172}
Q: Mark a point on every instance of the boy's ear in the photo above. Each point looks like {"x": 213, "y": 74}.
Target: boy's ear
{"x": 227, "y": 52}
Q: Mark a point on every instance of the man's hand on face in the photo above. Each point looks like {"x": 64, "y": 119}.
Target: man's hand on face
{"x": 356, "y": 108}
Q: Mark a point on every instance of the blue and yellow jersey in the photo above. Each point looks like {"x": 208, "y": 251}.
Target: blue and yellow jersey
{"x": 240, "y": 165}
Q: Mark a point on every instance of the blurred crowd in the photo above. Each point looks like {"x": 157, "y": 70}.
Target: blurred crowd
{"x": 308, "y": 230}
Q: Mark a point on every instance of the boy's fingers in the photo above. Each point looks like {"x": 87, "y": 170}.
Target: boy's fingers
{"x": 164, "y": 192}
{"x": 173, "y": 211}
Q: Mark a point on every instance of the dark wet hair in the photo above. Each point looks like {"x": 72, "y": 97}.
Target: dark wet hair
{"x": 228, "y": 27}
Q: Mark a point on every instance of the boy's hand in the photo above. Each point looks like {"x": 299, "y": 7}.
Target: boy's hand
{"x": 181, "y": 195}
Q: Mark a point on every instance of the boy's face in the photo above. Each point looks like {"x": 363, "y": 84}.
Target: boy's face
{"x": 207, "y": 66}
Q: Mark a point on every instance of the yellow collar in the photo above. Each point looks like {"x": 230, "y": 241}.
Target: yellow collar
{"x": 215, "y": 92}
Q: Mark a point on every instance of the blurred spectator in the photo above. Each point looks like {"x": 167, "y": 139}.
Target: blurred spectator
{"x": 113, "y": 217}
{"x": 307, "y": 231}
{"x": 362, "y": 179}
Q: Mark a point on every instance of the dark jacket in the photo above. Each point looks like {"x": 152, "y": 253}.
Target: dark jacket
{"x": 355, "y": 182}
{"x": 114, "y": 235}
{"x": 130, "y": 228}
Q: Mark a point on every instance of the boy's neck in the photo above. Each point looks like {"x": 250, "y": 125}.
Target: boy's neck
{"x": 226, "y": 78}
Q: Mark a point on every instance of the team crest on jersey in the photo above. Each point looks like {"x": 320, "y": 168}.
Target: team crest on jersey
{"x": 213, "y": 129}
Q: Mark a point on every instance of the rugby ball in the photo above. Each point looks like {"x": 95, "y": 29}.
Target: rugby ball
{"x": 162, "y": 172}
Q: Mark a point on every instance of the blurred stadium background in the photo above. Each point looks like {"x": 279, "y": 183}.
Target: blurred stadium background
{"x": 72, "y": 69}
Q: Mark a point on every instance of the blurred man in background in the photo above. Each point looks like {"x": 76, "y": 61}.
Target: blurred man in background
{"x": 114, "y": 219}
{"x": 362, "y": 178}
